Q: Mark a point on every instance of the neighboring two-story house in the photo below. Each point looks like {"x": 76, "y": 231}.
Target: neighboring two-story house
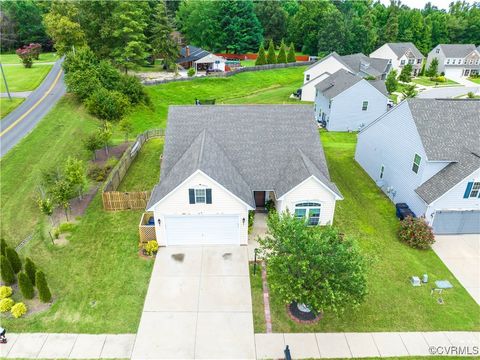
{"x": 426, "y": 153}
{"x": 348, "y": 102}
{"x": 400, "y": 54}
{"x": 358, "y": 64}
{"x": 456, "y": 60}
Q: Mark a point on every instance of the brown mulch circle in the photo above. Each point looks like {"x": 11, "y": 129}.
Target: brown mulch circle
{"x": 301, "y": 317}
{"x": 142, "y": 255}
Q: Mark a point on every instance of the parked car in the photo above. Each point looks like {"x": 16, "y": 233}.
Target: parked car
{"x": 403, "y": 211}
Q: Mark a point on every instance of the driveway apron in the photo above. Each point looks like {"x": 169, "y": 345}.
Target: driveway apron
{"x": 198, "y": 306}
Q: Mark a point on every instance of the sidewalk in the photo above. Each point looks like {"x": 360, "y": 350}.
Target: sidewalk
{"x": 67, "y": 346}
{"x": 347, "y": 345}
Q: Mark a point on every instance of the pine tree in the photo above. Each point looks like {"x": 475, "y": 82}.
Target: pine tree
{"x": 391, "y": 81}
{"x": 25, "y": 286}
{"x": 291, "y": 54}
{"x": 43, "y": 291}
{"x": 282, "y": 54}
{"x": 271, "y": 57}
{"x": 406, "y": 73}
{"x": 30, "y": 269}
{"x": 261, "y": 60}
{"x": 14, "y": 259}
{"x": 3, "y": 246}
{"x": 8, "y": 276}
{"x": 161, "y": 41}
{"x": 432, "y": 68}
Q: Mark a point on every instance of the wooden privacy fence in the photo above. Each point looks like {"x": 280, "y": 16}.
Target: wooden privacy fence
{"x": 131, "y": 200}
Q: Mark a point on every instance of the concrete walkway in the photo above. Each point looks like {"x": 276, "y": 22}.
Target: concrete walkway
{"x": 16, "y": 94}
{"x": 67, "y": 346}
{"x": 357, "y": 345}
{"x": 259, "y": 230}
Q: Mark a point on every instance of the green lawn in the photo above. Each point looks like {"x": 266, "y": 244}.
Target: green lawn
{"x": 247, "y": 63}
{"x": 13, "y": 58}
{"x": 259, "y": 87}
{"x": 425, "y": 80}
{"x": 475, "y": 80}
{"x": 22, "y": 79}
{"x": 7, "y": 105}
{"x": 144, "y": 173}
{"x": 392, "y": 304}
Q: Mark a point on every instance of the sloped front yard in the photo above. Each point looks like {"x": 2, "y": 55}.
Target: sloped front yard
{"x": 392, "y": 304}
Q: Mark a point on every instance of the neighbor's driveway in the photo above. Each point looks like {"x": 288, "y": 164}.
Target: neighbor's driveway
{"x": 198, "y": 305}
{"x": 461, "y": 254}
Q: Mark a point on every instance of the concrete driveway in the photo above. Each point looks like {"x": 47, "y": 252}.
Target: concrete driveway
{"x": 461, "y": 254}
{"x": 198, "y": 306}
{"x": 448, "y": 92}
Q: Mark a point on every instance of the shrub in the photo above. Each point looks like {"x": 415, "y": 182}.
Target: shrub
{"x": 438, "y": 78}
{"x": 470, "y": 95}
{"x": 92, "y": 142}
{"x": 98, "y": 173}
{"x": 43, "y": 291}
{"x": 416, "y": 233}
{"x": 108, "y": 75}
{"x": 30, "y": 269}
{"x": 251, "y": 219}
{"x": 191, "y": 72}
{"x": 18, "y": 310}
{"x": 82, "y": 82}
{"x": 151, "y": 247}
{"x": 66, "y": 227}
{"x": 261, "y": 59}
{"x": 6, "y": 304}
{"x": 271, "y": 56}
{"x": 107, "y": 105}
{"x": 8, "y": 276}
{"x": 131, "y": 87}
{"x": 14, "y": 259}
{"x": 27, "y": 54}
{"x": 82, "y": 59}
{"x": 111, "y": 162}
{"x": 291, "y": 58}
{"x": 5, "y": 292}
{"x": 25, "y": 285}
{"x": 3, "y": 246}
{"x": 282, "y": 54}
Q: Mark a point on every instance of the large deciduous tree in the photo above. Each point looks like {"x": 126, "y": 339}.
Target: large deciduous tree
{"x": 273, "y": 18}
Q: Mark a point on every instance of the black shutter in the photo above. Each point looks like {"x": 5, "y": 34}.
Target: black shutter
{"x": 209, "y": 196}
{"x": 191, "y": 195}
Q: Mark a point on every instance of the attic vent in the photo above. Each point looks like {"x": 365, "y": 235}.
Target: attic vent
{"x": 364, "y": 65}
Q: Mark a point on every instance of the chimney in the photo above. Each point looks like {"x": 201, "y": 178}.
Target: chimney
{"x": 187, "y": 51}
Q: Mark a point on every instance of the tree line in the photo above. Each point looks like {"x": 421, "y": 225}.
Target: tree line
{"x": 128, "y": 32}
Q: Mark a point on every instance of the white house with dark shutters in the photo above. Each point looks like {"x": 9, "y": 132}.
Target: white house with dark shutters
{"x": 456, "y": 60}
{"x": 426, "y": 153}
{"x": 220, "y": 162}
{"x": 399, "y": 55}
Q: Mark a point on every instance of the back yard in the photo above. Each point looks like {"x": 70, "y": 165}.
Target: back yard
{"x": 392, "y": 304}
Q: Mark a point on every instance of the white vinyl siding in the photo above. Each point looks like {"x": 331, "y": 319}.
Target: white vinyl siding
{"x": 308, "y": 90}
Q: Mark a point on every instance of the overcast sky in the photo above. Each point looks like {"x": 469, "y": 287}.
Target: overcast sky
{"x": 419, "y": 4}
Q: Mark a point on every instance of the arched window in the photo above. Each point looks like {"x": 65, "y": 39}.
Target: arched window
{"x": 309, "y": 211}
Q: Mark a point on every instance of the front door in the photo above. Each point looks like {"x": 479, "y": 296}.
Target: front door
{"x": 259, "y": 198}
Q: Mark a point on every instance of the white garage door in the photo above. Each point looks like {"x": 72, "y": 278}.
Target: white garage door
{"x": 456, "y": 222}
{"x": 453, "y": 73}
{"x": 202, "y": 230}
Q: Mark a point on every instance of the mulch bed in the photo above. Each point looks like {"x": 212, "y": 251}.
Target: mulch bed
{"x": 77, "y": 207}
{"x": 113, "y": 151}
{"x": 302, "y": 317}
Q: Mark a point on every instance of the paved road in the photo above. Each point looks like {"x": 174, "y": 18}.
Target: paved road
{"x": 23, "y": 119}
{"x": 448, "y": 92}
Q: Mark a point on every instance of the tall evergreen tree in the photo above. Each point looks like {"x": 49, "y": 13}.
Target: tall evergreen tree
{"x": 6, "y": 270}
{"x": 261, "y": 59}
{"x": 391, "y": 81}
{"x": 432, "y": 68}
{"x": 273, "y": 18}
{"x": 30, "y": 269}
{"x": 25, "y": 286}
{"x": 331, "y": 36}
{"x": 161, "y": 41}
{"x": 390, "y": 32}
{"x": 406, "y": 73}
{"x": 271, "y": 56}
{"x": 291, "y": 58}
{"x": 14, "y": 259}
{"x": 43, "y": 290}
{"x": 282, "y": 54}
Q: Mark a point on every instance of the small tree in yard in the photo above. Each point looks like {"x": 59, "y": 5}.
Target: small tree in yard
{"x": 30, "y": 269}
{"x": 25, "y": 285}
{"x": 8, "y": 276}
{"x": 43, "y": 291}
{"x": 46, "y": 207}
{"x": 28, "y": 53}
{"x": 312, "y": 265}
{"x": 291, "y": 58}
{"x": 391, "y": 81}
{"x": 126, "y": 127}
{"x": 105, "y": 134}
{"x": 282, "y": 54}
{"x": 271, "y": 57}
{"x": 409, "y": 91}
{"x": 416, "y": 233}
{"x": 63, "y": 192}
{"x": 261, "y": 59}
{"x": 14, "y": 259}
{"x": 432, "y": 70}
{"x": 92, "y": 143}
{"x": 406, "y": 73}
{"x": 75, "y": 173}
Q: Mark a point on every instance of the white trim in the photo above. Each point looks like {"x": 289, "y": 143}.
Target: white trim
{"x": 446, "y": 192}
{"x": 337, "y": 197}
{"x": 198, "y": 171}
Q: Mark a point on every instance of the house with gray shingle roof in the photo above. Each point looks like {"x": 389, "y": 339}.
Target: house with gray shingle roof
{"x": 358, "y": 64}
{"x": 456, "y": 60}
{"x": 220, "y": 162}
{"x": 199, "y": 59}
{"x": 400, "y": 54}
{"x": 348, "y": 102}
{"x": 426, "y": 153}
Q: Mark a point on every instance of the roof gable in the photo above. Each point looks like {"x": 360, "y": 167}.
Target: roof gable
{"x": 401, "y": 49}
{"x": 457, "y": 50}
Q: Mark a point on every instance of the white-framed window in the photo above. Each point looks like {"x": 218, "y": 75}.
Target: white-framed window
{"x": 364, "y": 106}
{"x": 476, "y": 62}
{"x": 470, "y": 62}
{"x": 437, "y": 51}
{"x": 402, "y": 62}
{"x": 419, "y": 61}
{"x": 417, "y": 159}
{"x": 307, "y": 77}
{"x": 329, "y": 104}
{"x": 200, "y": 196}
{"x": 448, "y": 61}
{"x": 310, "y": 211}
{"x": 475, "y": 190}
{"x": 453, "y": 61}
{"x": 382, "y": 170}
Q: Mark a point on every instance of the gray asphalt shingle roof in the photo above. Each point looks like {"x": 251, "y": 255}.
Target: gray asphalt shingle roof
{"x": 195, "y": 53}
{"x": 401, "y": 48}
{"x": 457, "y": 50}
{"x": 342, "y": 80}
{"x": 450, "y": 131}
{"x": 244, "y": 148}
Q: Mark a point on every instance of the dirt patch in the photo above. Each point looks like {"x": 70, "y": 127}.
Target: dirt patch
{"x": 77, "y": 207}
{"x": 62, "y": 239}
{"x": 113, "y": 151}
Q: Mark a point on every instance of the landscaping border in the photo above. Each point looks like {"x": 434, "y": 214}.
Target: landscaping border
{"x": 132, "y": 200}
{"x": 233, "y": 72}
